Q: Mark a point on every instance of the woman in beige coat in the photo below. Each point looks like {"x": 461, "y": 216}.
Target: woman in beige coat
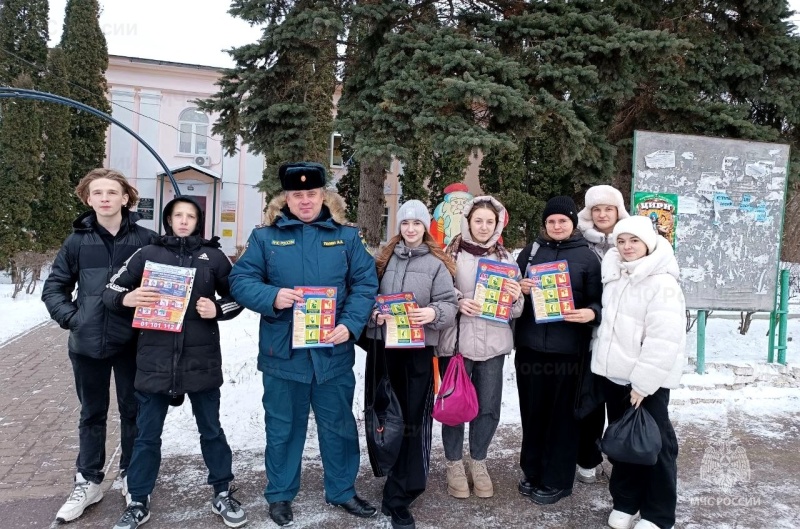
{"x": 484, "y": 343}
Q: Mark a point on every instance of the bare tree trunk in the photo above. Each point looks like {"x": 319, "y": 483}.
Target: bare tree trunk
{"x": 371, "y": 201}
{"x": 745, "y": 319}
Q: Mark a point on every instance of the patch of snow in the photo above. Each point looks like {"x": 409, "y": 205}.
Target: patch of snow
{"x": 20, "y": 314}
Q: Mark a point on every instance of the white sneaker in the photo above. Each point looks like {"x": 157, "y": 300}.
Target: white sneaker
{"x": 586, "y": 475}
{"x": 84, "y": 493}
{"x": 125, "y": 492}
{"x": 644, "y": 524}
{"x": 620, "y": 520}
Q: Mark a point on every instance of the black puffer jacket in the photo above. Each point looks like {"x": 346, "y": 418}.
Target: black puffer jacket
{"x": 587, "y": 290}
{"x": 189, "y": 361}
{"x": 85, "y": 259}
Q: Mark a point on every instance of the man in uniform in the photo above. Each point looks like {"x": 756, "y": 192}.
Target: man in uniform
{"x": 307, "y": 242}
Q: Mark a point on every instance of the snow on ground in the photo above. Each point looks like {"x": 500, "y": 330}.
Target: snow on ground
{"x": 724, "y": 343}
{"x": 20, "y": 314}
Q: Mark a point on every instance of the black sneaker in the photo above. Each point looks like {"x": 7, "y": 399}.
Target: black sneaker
{"x": 135, "y": 514}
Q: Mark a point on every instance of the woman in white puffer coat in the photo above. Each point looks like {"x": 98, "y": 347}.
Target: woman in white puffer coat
{"x": 639, "y": 350}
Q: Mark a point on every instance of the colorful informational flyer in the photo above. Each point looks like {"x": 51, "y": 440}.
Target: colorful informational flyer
{"x": 314, "y": 317}
{"x": 661, "y": 209}
{"x": 491, "y": 289}
{"x": 552, "y": 291}
{"x": 174, "y": 284}
{"x": 400, "y": 332}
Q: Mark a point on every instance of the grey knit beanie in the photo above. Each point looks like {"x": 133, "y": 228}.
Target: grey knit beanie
{"x": 413, "y": 210}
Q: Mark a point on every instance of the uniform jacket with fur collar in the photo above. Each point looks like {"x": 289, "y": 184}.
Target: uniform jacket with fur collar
{"x": 286, "y": 253}
{"x": 642, "y": 336}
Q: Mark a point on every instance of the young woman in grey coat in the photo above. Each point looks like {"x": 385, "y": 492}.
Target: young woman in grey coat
{"x": 413, "y": 262}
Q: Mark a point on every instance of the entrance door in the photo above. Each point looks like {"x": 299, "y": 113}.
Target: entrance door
{"x": 202, "y": 201}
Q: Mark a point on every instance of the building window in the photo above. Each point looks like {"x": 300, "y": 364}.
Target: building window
{"x": 385, "y": 224}
{"x": 336, "y": 150}
{"x": 193, "y": 127}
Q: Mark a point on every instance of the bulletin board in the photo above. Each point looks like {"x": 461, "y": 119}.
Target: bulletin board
{"x": 731, "y": 199}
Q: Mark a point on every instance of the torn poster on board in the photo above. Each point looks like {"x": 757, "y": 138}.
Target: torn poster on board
{"x": 660, "y": 159}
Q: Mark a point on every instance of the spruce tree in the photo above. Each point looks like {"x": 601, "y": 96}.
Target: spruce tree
{"x": 24, "y": 32}
{"x": 86, "y": 58}
{"x": 55, "y": 210}
{"x": 739, "y": 79}
{"x": 20, "y": 151}
{"x": 348, "y": 184}
{"x": 278, "y": 97}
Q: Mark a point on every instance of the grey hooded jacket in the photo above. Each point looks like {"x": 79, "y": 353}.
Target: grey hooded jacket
{"x": 417, "y": 270}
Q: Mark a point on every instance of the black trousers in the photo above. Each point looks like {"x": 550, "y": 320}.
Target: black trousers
{"x": 590, "y": 429}
{"x": 547, "y": 384}
{"x": 651, "y": 490}
{"x": 92, "y": 381}
{"x": 411, "y": 375}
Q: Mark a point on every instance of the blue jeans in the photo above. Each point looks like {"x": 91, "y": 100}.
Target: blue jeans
{"x": 487, "y": 377}
{"x": 146, "y": 459}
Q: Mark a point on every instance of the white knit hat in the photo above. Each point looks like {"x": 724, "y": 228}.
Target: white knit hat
{"x": 641, "y": 227}
{"x": 413, "y": 210}
{"x": 601, "y": 195}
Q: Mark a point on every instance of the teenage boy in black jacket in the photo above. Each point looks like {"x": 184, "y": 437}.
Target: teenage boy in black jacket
{"x": 99, "y": 340}
{"x": 170, "y": 364}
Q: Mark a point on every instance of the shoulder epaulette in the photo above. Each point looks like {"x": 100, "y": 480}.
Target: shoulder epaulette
{"x": 351, "y": 225}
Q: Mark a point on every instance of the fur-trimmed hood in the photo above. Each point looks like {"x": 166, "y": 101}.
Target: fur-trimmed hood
{"x": 334, "y": 202}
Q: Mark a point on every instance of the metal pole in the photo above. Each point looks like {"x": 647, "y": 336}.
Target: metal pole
{"x": 771, "y": 351}
{"x": 783, "y": 317}
{"x": 36, "y": 95}
{"x": 701, "y": 342}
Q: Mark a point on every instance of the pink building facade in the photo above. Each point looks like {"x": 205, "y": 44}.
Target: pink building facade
{"x": 155, "y": 99}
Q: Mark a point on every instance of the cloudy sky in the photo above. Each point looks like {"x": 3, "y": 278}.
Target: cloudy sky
{"x": 190, "y": 31}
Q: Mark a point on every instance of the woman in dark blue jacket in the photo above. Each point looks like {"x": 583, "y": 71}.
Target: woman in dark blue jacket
{"x": 549, "y": 357}
{"x": 171, "y": 364}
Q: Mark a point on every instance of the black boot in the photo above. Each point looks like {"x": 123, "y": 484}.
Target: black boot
{"x": 548, "y": 495}
{"x": 281, "y": 512}
{"x": 401, "y": 517}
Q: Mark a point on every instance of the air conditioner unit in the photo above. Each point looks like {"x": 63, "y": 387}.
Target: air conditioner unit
{"x": 202, "y": 161}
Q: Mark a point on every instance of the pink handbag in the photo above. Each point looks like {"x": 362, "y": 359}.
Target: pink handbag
{"x": 457, "y": 401}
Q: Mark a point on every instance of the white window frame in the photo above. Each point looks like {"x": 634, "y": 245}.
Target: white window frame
{"x": 385, "y": 224}
{"x": 194, "y": 133}
{"x": 333, "y": 157}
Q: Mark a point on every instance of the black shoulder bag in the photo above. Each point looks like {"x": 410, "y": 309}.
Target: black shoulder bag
{"x": 383, "y": 417}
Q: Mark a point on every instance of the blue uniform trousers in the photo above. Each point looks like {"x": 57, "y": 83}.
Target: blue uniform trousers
{"x": 286, "y": 406}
